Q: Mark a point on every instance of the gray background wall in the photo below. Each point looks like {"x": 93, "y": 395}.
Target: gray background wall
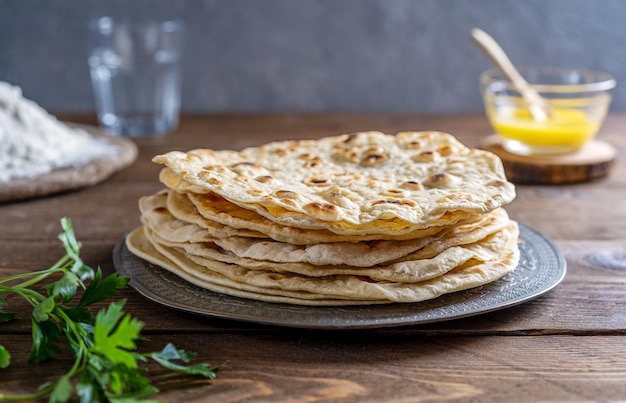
{"x": 318, "y": 55}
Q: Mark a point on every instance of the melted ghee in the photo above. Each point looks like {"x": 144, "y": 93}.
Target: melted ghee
{"x": 563, "y": 127}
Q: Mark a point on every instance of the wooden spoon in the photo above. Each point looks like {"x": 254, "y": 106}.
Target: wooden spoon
{"x": 536, "y": 103}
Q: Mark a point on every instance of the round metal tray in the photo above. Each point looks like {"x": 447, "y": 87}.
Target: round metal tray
{"x": 541, "y": 268}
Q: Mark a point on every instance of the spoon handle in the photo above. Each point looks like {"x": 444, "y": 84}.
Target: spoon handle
{"x": 499, "y": 58}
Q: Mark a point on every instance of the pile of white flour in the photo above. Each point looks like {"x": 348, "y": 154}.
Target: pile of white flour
{"x": 33, "y": 142}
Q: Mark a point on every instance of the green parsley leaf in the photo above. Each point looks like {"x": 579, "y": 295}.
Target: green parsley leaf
{"x": 5, "y": 316}
{"x": 99, "y": 290}
{"x": 72, "y": 248}
{"x": 45, "y": 338}
{"x": 5, "y": 357}
{"x": 65, "y": 288}
{"x": 83, "y": 271}
{"x": 41, "y": 311}
{"x": 87, "y": 388}
{"x": 105, "y": 366}
{"x": 114, "y": 381}
{"x": 81, "y": 316}
{"x": 129, "y": 382}
{"x": 68, "y": 238}
{"x": 115, "y": 334}
{"x": 169, "y": 353}
{"x": 62, "y": 390}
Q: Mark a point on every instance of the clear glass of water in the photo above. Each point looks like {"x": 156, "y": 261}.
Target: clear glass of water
{"x": 135, "y": 73}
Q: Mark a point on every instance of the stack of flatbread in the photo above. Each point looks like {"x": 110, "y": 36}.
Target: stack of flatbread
{"x": 366, "y": 218}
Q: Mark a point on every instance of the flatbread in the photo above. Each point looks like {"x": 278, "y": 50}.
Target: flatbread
{"x": 345, "y": 289}
{"x": 351, "y": 184}
{"x": 356, "y": 219}
{"x": 210, "y": 210}
{"x": 140, "y": 246}
{"x": 154, "y": 209}
{"x": 420, "y": 266}
{"x": 156, "y": 216}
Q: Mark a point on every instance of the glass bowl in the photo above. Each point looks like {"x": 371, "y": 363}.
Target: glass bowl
{"x": 576, "y": 103}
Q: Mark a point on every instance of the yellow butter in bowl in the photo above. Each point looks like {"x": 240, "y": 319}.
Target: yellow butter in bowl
{"x": 575, "y": 102}
{"x": 566, "y": 129}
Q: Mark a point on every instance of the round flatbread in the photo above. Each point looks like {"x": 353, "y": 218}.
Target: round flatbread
{"x": 156, "y": 216}
{"x": 351, "y": 288}
{"x": 356, "y": 219}
{"x": 183, "y": 267}
{"x": 212, "y": 211}
{"x": 351, "y": 184}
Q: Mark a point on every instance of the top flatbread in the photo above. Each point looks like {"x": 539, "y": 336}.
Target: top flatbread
{"x": 362, "y": 183}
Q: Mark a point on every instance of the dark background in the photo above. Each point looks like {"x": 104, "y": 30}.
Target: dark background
{"x": 317, "y": 55}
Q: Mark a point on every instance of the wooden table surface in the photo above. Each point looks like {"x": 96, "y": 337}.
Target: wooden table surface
{"x": 568, "y": 345}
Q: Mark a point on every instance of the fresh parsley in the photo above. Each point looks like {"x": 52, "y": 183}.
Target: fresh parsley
{"x": 106, "y": 366}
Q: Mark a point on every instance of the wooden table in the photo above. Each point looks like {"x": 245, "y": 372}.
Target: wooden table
{"x": 568, "y": 345}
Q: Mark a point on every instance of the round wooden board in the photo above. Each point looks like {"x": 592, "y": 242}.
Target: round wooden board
{"x": 73, "y": 178}
{"x": 593, "y": 161}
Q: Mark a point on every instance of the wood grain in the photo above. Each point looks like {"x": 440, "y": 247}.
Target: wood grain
{"x": 567, "y": 345}
{"x": 594, "y": 161}
{"x": 298, "y": 366}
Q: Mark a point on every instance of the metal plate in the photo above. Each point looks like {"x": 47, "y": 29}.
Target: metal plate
{"x": 541, "y": 268}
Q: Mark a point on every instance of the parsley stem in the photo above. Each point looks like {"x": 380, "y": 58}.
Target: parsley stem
{"x": 32, "y": 297}
{"x": 31, "y": 397}
{"x": 105, "y": 365}
{"x": 73, "y": 333}
{"x": 42, "y": 275}
{"x": 38, "y": 275}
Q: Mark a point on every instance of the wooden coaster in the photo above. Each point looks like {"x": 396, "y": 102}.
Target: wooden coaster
{"x": 593, "y": 161}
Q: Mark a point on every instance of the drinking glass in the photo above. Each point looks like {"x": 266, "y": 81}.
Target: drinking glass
{"x": 135, "y": 73}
